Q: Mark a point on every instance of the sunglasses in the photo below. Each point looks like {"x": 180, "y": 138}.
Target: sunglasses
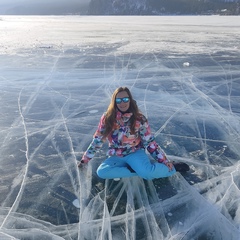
{"x": 119, "y": 100}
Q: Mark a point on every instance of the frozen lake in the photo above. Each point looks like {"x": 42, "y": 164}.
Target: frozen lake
{"x": 57, "y": 76}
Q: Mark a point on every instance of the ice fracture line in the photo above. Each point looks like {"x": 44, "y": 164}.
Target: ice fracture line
{"x": 20, "y": 192}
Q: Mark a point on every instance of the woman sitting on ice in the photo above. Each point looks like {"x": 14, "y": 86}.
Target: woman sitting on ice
{"x": 128, "y": 133}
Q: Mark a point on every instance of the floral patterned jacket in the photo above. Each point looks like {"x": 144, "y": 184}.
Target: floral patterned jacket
{"x": 122, "y": 142}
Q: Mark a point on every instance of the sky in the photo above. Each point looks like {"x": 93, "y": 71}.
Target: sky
{"x": 32, "y": 7}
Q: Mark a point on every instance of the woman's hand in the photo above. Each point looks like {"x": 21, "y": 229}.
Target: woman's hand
{"x": 84, "y": 160}
{"x": 81, "y": 164}
{"x": 169, "y": 165}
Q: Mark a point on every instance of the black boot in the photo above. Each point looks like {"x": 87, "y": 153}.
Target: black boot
{"x": 181, "y": 167}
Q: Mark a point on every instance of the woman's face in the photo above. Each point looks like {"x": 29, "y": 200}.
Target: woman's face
{"x": 122, "y": 101}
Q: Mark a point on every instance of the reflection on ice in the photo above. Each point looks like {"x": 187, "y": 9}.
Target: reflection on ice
{"x": 54, "y": 88}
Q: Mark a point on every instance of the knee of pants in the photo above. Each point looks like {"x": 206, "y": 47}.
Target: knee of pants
{"x": 101, "y": 172}
{"x": 105, "y": 171}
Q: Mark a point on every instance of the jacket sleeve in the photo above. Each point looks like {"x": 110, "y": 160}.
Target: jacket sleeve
{"x": 96, "y": 143}
{"x": 150, "y": 144}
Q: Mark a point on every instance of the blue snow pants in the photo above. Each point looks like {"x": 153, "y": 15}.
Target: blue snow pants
{"x": 117, "y": 167}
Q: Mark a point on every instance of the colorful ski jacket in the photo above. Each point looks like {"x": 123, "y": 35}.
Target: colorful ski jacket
{"x": 122, "y": 142}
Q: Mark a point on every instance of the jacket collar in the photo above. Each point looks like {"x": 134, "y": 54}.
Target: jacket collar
{"x": 123, "y": 116}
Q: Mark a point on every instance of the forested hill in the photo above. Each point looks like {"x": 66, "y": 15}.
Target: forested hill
{"x": 163, "y": 7}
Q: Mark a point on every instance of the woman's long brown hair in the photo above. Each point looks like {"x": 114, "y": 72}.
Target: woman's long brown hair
{"x": 110, "y": 117}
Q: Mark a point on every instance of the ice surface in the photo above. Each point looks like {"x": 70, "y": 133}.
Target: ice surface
{"x": 57, "y": 76}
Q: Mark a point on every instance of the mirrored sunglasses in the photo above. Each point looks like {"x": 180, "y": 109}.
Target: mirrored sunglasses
{"x": 119, "y": 100}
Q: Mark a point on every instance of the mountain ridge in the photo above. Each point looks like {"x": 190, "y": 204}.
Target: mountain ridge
{"x": 163, "y": 7}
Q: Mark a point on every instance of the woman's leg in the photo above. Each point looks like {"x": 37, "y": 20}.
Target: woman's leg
{"x": 115, "y": 167}
{"x": 140, "y": 163}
